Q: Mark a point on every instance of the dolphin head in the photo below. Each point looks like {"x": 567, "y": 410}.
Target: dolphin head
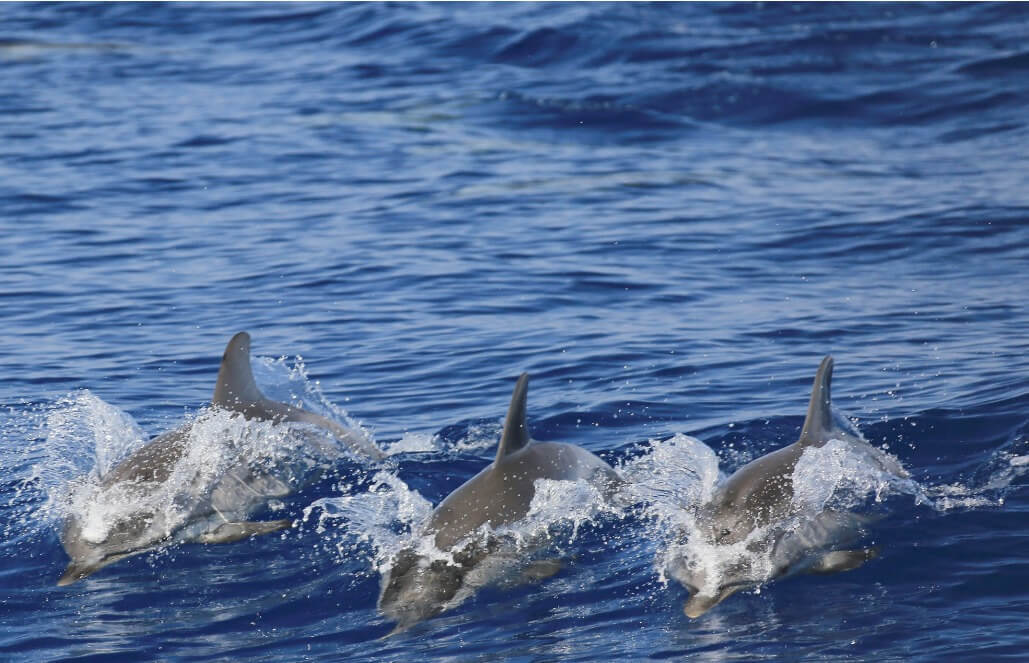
{"x": 722, "y": 553}
{"x": 417, "y": 587}
{"x": 724, "y": 524}
{"x": 713, "y": 579}
{"x": 91, "y": 551}
{"x": 696, "y": 576}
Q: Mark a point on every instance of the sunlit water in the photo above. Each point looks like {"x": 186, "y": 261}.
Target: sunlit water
{"x": 666, "y": 214}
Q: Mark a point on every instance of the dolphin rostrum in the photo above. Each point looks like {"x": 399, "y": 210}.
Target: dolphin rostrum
{"x": 421, "y": 584}
{"x": 198, "y": 508}
{"x": 754, "y": 521}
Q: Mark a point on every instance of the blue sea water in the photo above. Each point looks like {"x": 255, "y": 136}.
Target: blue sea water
{"x": 666, "y": 214}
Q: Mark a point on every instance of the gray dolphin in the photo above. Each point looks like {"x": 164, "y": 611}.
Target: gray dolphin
{"x": 418, "y": 586}
{"x": 759, "y": 498}
{"x": 208, "y": 512}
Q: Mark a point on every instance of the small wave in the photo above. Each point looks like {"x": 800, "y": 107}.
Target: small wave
{"x": 413, "y": 443}
{"x": 1009, "y": 63}
{"x": 453, "y": 439}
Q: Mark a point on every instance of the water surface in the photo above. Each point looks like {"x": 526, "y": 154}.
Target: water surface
{"x": 667, "y": 214}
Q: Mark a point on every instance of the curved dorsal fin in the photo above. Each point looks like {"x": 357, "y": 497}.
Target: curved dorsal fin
{"x": 516, "y": 432}
{"x": 235, "y": 388}
{"x": 819, "y": 421}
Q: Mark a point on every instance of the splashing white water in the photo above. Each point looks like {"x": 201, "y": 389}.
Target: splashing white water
{"x": 383, "y": 516}
{"x": 82, "y": 421}
{"x": 228, "y": 466}
{"x": 843, "y": 474}
{"x": 671, "y": 478}
{"x": 287, "y": 381}
{"x": 410, "y": 443}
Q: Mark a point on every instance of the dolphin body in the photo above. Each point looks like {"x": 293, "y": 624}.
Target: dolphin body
{"x": 214, "y": 513}
{"x": 755, "y": 505}
{"x": 418, "y": 586}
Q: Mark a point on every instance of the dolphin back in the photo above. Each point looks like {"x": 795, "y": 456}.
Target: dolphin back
{"x": 819, "y": 422}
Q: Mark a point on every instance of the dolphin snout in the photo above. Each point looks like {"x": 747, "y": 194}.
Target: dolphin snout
{"x": 74, "y": 573}
{"x": 698, "y": 605}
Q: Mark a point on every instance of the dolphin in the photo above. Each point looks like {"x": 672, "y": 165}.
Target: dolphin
{"x": 419, "y": 585}
{"x": 755, "y": 506}
{"x": 206, "y": 510}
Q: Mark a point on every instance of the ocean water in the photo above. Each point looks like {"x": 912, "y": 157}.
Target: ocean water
{"x": 666, "y": 214}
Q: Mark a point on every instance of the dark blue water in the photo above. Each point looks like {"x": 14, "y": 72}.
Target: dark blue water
{"x": 666, "y": 214}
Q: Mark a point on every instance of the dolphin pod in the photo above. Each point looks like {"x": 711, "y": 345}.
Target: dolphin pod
{"x": 149, "y": 469}
{"x": 445, "y": 561}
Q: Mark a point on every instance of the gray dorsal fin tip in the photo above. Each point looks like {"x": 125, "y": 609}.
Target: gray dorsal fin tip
{"x": 819, "y": 420}
{"x": 516, "y": 431}
{"x": 235, "y": 387}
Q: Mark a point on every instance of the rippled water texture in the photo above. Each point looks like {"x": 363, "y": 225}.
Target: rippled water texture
{"x": 667, "y": 214}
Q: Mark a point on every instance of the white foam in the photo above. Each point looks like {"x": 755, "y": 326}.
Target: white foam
{"x": 990, "y": 483}
{"x": 287, "y": 381}
{"x": 384, "y": 516}
{"x": 390, "y": 517}
{"x": 479, "y": 437}
{"x": 83, "y": 422}
{"x": 413, "y": 443}
{"x": 672, "y": 473}
{"x": 843, "y": 474}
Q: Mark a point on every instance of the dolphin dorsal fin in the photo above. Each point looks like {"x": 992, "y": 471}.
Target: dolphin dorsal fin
{"x": 235, "y": 388}
{"x": 516, "y": 432}
{"x": 819, "y": 421}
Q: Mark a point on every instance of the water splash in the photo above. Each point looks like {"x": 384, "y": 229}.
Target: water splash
{"x": 83, "y": 421}
{"x": 390, "y": 517}
{"x": 286, "y": 380}
{"x": 990, "y": 483}
{"x": 410, "y": 443}
{"x": 375, "y": 522}
{"x": 843, "y": 475}
{"x": 474, "y": 438}
{"x": 678, "y": 471}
